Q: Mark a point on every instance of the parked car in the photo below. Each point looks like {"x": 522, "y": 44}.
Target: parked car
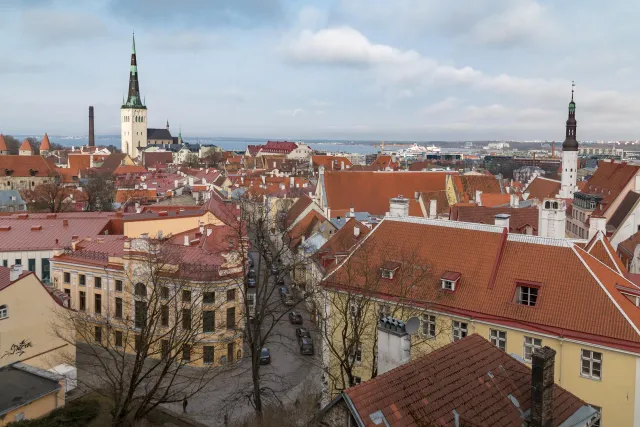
{"x": 265, "y": 356}
{"x": 306, "y": 346}
{"x": 250, "y": 261}
{"x": 283, "y": 291}
{"x": 295, "y": 318}
{"x": 302, "y": 333}
{"x": 251, "y": 282}
{"x": 252, "y": 273}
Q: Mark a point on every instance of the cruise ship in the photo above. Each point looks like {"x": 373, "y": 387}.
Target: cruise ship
{"x": 418, "y": 151}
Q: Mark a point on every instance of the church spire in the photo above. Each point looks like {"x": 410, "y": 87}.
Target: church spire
{"x": 570, "y": 142}
{"x": 133, "y": 97}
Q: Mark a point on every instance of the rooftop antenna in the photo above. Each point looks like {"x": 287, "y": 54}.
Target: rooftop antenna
{"x": 573, "y": 85}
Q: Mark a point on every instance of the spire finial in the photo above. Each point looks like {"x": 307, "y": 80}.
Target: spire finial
{"x": 133, "y": 45}
{"x": 573, "y": 85}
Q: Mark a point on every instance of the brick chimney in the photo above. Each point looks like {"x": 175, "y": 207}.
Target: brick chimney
{"x": 92, "y": 141}
{"x": 542, "y": 380}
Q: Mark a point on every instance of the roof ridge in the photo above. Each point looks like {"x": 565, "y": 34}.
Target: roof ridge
{"x": 603, "y": 287}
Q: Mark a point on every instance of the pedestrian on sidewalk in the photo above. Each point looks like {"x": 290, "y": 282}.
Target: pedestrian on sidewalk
{"x": 184, "y": 405}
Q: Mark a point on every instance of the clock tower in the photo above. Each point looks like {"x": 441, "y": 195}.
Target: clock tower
{"x": 133, "y": 114}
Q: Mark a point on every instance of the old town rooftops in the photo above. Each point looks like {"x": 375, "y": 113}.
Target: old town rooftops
{"x": 470, "y": 378}
{"x": 571, "y": 284}
{"x": 45, "y": 232}
{"x": 25, "y": 166}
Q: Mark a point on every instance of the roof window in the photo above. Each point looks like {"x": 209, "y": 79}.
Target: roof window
{"x": 527, "y": 293}
{"x": 389, "y": 269}
{"x": 449, "y": 280}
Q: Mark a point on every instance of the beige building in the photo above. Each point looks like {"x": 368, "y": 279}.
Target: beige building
{"x": 32, "y": 357}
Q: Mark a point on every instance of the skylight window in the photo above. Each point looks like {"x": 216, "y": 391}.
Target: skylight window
{"x": 449, "y": 280}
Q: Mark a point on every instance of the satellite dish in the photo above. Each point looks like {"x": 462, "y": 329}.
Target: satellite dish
{"x": 412, "y": 325}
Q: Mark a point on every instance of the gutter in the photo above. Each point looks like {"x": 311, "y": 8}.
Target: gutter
{"x": 353, "y": 410}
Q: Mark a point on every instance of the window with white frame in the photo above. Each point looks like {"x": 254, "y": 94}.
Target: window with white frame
{"x": 429, "y": 325}
{"x": 591, "y": 364}
{"x": 527, "y": 295}
{"x": 448, "y": 285}
{"x": 4, "y": 311}
{"x": 530, "y": 344}
{"x": 498, "y": 338}
{"x": 386, "y": 274}
{"x": 356, "y": 381}
{"x": 459, "y": 330}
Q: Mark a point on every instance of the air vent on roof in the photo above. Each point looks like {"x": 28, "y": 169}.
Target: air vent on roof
{"x": 23, "y": 216}
{"x": 5, "y": 227}
{"x": 51, "y": 216}
{"x": 74, "y": 237}
{"x": 36, "y": 228}
{"x": 65, "y": 222}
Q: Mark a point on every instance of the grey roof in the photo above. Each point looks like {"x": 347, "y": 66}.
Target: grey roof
{"x": 6, "y": 198}
{"x": 313, "y": 243}
{"x": 20, "y": 387}
{"x": 360, "y": 216}
{"x": 162, "y": 133}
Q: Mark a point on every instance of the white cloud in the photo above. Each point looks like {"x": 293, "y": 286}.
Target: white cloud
{"x": 49, "y": 27}
{"x": 294, "y": 112}
{"x": 442, "y": 106}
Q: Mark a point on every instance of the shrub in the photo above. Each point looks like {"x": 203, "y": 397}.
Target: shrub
{"x": 77, "y": 413}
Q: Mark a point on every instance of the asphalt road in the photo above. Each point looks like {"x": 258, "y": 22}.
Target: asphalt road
{"x": 288, "y": 376}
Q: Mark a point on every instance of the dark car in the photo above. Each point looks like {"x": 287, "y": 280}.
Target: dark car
{"x": 251, "y": 282}
{"x": 302, "y": 333}
{"x": 265, "y": 356}
{"x": 251, "y": 274}
{"x": 283, "y": 291}
{"x": 295, "y": 318}
{"x": 306, "y": 346}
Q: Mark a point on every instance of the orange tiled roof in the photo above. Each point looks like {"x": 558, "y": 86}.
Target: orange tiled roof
{"x": 304, "y": 227}
{"x": 518, "y": 220}
{"x": 331, "y": 162}
{"x": 370, "y": 191}
{"x": 25, "y": 166}
{"x": 3, "y": 143}
{"x": 491, "y": 263}
{"x": 494, "y": 199}
{"x": 122, "y": 195}
{"x": 472, "y": 376}
{"x": 25, "y": 146}
{"x": 542, "y": 187}
{"x": 600, "y": 248}
{"x": 45, "y": 144}
{"x": 382, "y": 163}
{"x": 467, "y": 185}
{"x": 126, "y": 169}
{"x": 608, "y": 181}
{"x": 296, "y": 210}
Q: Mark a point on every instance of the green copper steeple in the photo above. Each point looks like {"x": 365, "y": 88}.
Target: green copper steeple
{"x": 133, "y": 97}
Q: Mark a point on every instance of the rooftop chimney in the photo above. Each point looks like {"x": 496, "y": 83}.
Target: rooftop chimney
{"x": 502, "y": 220}
{"x": 433, "y": 208}
{"x": 186, "y": 240}
{"x": 513, "y": 201}
{"x": 356, "y": 231}
{"x": 394, "y": 344}
{"x": 399, "y": 206}
{"x": 542, "y": 379}
{"x": 479, "y": 197}
{"x": 597, "y": 224}
{"x": 92, "y": 141}
{"x": 15, "y": 272}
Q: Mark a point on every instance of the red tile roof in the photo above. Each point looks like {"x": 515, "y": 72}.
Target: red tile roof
{"x": 23, "y": 166}
{"x": 342, "y": 241}
{"x": 492, "y": 263}
{"x": 541, "y": 188}
{"x": 45, "y": 144}
{"x": 305, "y": 227}
{"x": 608, "y": 181}
{"x": 442, "y": 201}
{"x": 600, "y": 248}
{"x": 494, "y": 199}
{"x": 518, "y": 220}
{"x": 3, "y": 143}
{"x": 370, "y": 191}
{"x": 129, "y": 169}
{"x": 382, "y": 163}
{"x": 40, "y": 233}
{"x": 26, "y": 145}
{"x": 471, "y": 377}
{"x": 467, "y": 185}
{"x": 156, "y": 158}
{"x": 331, "y": 162}
{"x": 296, "y": 210}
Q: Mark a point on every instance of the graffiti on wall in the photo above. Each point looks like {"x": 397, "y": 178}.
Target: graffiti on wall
{"x": 17, "y": 349}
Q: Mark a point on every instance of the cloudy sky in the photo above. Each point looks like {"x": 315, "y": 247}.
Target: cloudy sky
{"x": 348, "y": 69}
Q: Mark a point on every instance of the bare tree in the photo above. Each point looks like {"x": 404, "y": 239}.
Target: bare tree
{"x": 50, "y": 196}
{"x": 100, "y": 193}
{"x": 140, "y": 351}
{"x": 350, "y": 313}
{"x": 191, "y": 160}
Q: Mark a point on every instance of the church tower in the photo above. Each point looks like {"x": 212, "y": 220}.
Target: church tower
{"x": 570, "y": 154}
{"x": 133, "y": 113}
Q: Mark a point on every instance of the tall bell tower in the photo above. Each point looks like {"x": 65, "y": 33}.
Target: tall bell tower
{"x": 133, "y": 113}
{"x": 570, "y": 154}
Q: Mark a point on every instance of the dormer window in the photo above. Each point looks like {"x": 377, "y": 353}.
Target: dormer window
{"x": 527, "y": 294}
{"x": 449, "y": 280}
{"x": 389, "y": 269}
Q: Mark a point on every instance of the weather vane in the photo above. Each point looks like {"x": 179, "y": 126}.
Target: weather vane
{"x": 573, "y": 85}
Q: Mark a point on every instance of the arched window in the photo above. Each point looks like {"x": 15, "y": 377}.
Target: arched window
{"x": 4, "y": 311}
{"x": 547, "y": 205}
{"x": 555, "y": 205}
{"x": 141, "y": 289}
